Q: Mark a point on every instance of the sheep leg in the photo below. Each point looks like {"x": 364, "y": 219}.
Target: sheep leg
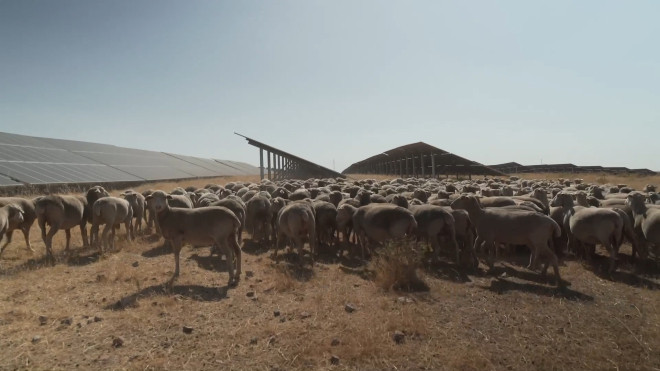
{"x": 9, "y": 233}
{"x": 67, "y": 232}
{"x": 237, "y": 255}
{"x": 613, "y": 254}
{"x": 130, "y": 231}
{"x": 176, "y": 249}
{"x": 26, "y": 234}
{"x": 227, "y": 251}
{"x": 83, "y": 233}
{"x": 48, "y": 241}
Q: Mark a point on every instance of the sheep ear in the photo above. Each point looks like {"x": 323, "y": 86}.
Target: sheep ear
{"x": 169, "y": 197}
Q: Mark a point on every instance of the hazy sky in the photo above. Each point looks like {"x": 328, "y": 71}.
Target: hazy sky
{"x": 492, "y": 81}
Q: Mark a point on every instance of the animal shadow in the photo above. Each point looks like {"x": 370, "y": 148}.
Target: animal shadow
{"x": 600, "y": 264}
{"x": 210, "y": 263}
{"x": 446, "y": 271}
{"x": 193, "y": 292}
{"x": 501, "y": 286}
{"x": 252, "y": 247}
{"x": 161, "y": 250}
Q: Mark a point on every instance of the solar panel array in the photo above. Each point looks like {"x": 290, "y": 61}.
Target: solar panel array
{"x": 32, "y": 160}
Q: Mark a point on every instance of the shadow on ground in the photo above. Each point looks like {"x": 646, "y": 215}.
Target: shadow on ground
{"x": 194, "y": 292}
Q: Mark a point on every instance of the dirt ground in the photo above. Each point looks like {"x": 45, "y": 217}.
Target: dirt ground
{"x": 111, "y": 312}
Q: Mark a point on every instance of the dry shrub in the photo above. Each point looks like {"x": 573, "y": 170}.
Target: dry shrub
{"x": 396, "y": 267}
{"x": 283, "y": 280}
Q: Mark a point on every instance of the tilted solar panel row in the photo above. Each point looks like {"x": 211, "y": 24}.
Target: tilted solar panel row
{"x": 32, "y": 160}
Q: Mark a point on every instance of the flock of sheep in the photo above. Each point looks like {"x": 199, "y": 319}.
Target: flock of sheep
{"x": 461, "y": 217}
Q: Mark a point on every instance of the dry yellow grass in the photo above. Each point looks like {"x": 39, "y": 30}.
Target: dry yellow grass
{"x": 512, "y": 320}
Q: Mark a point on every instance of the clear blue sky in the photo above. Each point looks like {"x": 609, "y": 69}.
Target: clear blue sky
{"x": 492, "y": 81}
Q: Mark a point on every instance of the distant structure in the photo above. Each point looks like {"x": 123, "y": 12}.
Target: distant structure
{"x": 419, "y": 160}
{"x": 282, "y": 165}
{"x": 515, "y": 168}
{"x": 27, "y": 160}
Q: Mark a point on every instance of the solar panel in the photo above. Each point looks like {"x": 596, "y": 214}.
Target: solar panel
{"x": 46, "y": 160}
{"x": 4, "y": 181}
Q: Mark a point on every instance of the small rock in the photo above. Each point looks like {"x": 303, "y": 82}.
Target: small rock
{"x": 335, "y": 342}
{"x": 334, "y": 360}
{"x": 304, "y": 315}
{"x": 97, "y": 319}
{"x": 66, "y": 321}
{"x": 350, "y": 308}
{"x": 276, "y": 313}
{"x": 36, "y": 339}
{"x": 249, "y": 274}
{"x": 250, "y": 294}
{"x": 117, "y": 342}
{"x": 253, "y": 341}
{"x": 271, "y": 340}
{"x": 404, "y": 300}
{"x": 187, "y": 330}
{"x": 43, "y": 320}
{"x": 398, "y": 337}
{"x": 135, "y": 264}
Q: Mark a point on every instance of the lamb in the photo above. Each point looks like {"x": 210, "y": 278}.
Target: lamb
{"x": 591, "y": 226}
{"x": 137, "y": 202}
{"x": 11, "y": 216}
{"x": 382, "y": 222}
{"x": 297, "y": 222}
{"x": 647, "y": 219}
{"x": 61, "y": 212}
{"x": 512, "y": 227}
{"x": 214, "y": 225}
{"x": 28, "y": 219}
{"x": 179, "y": 201}
{"x": 110, "y": 211}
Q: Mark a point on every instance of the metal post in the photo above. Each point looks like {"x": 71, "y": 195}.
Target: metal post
{"x": 261, "y": 163}
{"x": 268, "y": 154}
{"x": 433, "y": 164}
{"x": 421, "y": 158}
{"x": 401, "y": 168}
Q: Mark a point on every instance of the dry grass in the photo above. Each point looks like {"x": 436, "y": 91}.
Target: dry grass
{"x": 465, "y": 321}
{"x": 396, "y": 267}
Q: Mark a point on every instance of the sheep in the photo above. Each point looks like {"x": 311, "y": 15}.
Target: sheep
{"x": 214, "y": 225}
{"x": 110, "y": 211}
{"x": 325, "y": 214}
{"x": 237, "y": 208}
{"x": 433, "y": 222}
{"x": 29, "y": 217}
{"x": 206, "y": 199}
{"x": 297, "y": 222}
{"x": 382, "y": 222}
{"x": 345, "y": 214}
{"x": 61, "y": 212}
{"x": 464, "y": 229}
{"x": 11, "y": 216}
{"x": 276, "y": 204}
{"x": 647, "y": 219}
{"x": 258, "y": 218}
{"x": 512, "y": 227}
{"x": 591, "y": 226}
{"x": 138, "y": 203}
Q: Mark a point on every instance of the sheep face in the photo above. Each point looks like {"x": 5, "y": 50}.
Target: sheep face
{"x": 158, "y": 201}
